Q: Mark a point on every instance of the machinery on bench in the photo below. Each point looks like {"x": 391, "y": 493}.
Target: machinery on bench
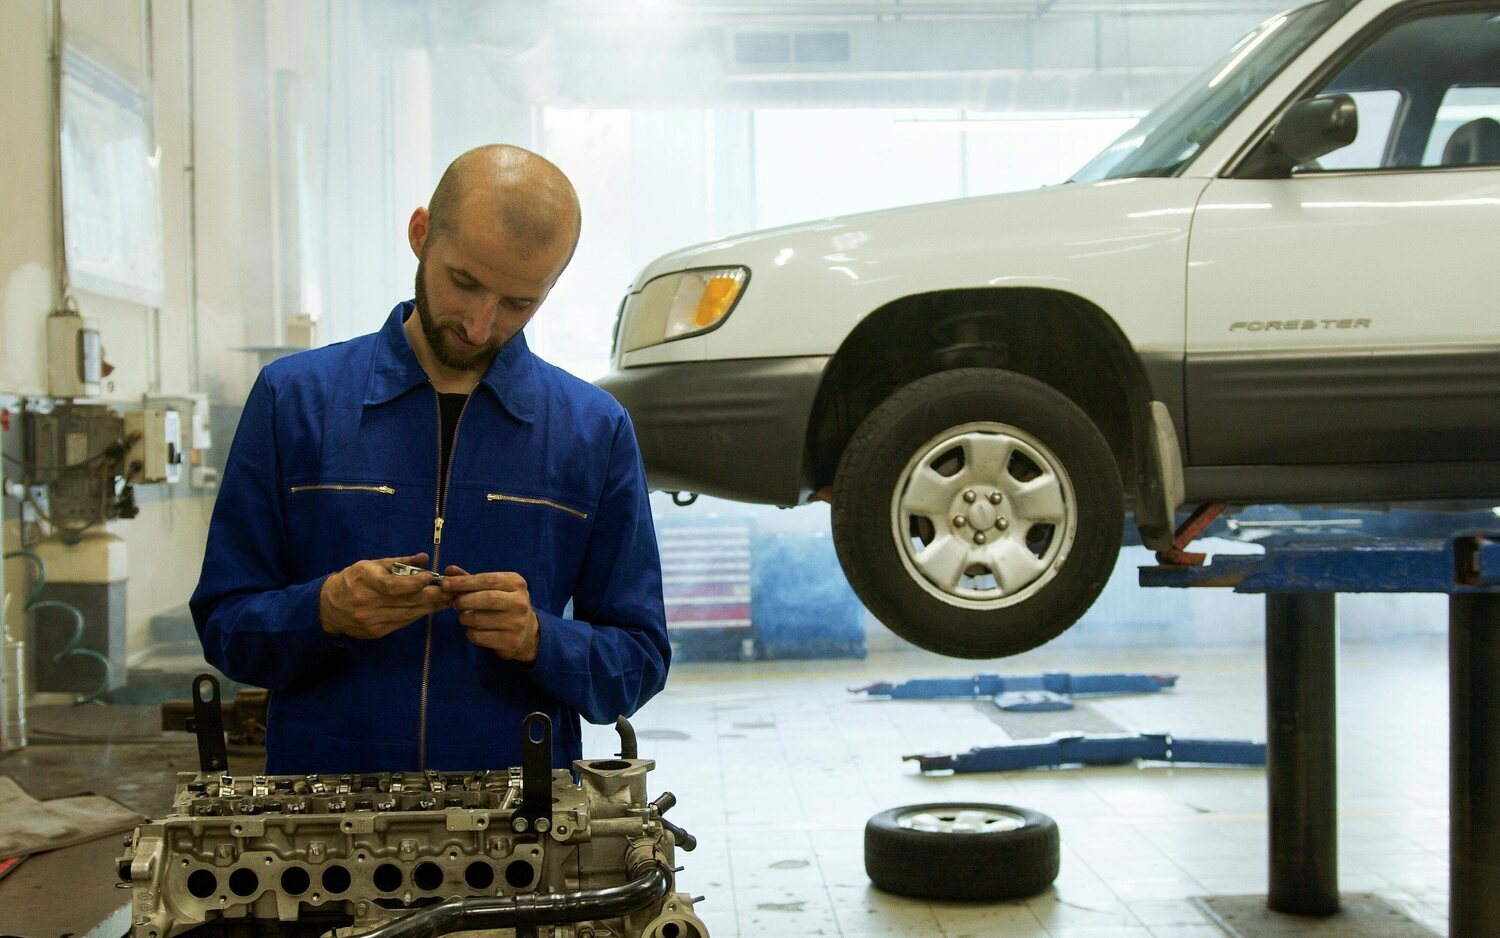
{"x": 411, "y": 855}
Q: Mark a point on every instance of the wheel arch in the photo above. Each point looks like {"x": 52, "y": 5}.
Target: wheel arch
{"x": 1054, "y": 336}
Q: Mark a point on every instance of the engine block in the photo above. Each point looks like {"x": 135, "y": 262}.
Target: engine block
{"x": 396, "y": 855}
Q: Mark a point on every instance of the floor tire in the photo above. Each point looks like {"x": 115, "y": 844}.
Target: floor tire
{"x": 1041, "y": 504}
{"x": 962, "y": 851}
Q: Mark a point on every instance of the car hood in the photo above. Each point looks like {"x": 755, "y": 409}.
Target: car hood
{"x": 849, "y": 233}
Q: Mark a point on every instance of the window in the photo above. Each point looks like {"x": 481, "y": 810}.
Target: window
{"x": 1460, "y": 106}
{"x": 1177, "y": 130}
{"x": 1418, "y": 85}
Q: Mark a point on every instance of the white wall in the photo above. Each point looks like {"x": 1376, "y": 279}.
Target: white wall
{"x": 293, "y": 140}
{"x": 152, "y": 349}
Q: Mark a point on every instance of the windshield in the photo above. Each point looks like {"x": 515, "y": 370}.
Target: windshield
{"x": 1175, "y": 131}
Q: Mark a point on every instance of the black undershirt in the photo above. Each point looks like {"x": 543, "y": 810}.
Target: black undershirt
{"x": 450, "y": 407}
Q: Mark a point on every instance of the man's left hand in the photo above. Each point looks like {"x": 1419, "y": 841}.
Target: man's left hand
{"x": 495, "y": 609}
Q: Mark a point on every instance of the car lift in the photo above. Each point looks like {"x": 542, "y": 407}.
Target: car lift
{"x": 985, "y": 685}
{"x": 1300, "y": 580}
{"x": 1053, "y": 691}
{"x": 1109, "y": 749}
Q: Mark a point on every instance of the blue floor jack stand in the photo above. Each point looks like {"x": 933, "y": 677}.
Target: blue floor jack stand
{"x": 1300, "y": 579}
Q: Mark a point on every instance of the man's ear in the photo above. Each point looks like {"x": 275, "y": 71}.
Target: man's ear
{"x": 418, "y": 228}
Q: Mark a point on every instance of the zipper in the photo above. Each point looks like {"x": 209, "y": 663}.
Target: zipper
{"x": 332, "y": 487}
{"x": 547, "y": 502}
{"x": 440, "y": 498}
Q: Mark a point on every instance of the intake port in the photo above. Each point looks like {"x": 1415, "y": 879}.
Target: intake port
{"x": 427, "y": 877}
{"x": 243, "y": 882}
{"x": 479, "y": 875}
{"x": 609, "y": 765}
{"x": 519, "y": 874}
{"x": 387, "y": 877}
{"x": 336, "y": 879}
{"x": 294, "y": 881}
{"x": 202, "y": 883}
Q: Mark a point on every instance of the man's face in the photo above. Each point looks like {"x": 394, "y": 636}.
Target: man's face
{"x": 474, "y": 292}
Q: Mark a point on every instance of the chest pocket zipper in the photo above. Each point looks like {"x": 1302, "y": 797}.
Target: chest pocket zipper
{"x": 335, "y": 487}
{"x": 544, "y": 502}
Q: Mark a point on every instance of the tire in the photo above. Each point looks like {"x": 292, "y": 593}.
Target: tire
{"x": 962, "y": 851}
{"x": 1038, "y": 491}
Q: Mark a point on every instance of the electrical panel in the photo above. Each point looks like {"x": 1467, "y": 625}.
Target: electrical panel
{"x": 77, "y": 452}
{"x": 155, "y": 453}
{"x": 75, "y": 359}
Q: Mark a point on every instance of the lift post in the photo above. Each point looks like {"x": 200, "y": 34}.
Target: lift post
{"x": 1301, "y": 579}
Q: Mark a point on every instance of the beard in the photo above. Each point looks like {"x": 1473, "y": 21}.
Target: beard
{"x": 438, "y": 339}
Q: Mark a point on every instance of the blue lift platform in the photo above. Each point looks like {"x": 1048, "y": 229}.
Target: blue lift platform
{"x": 1079, "y": 749}
{"x": 984, "y": 685}
{"x": 1055, "y": 690}
{"x": 1300, "y": 580}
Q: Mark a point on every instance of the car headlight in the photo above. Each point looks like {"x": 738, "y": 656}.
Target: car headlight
{"x": 678, "y": 305}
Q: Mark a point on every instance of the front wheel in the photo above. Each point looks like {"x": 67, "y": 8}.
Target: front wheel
{"x": 977, "y": 512}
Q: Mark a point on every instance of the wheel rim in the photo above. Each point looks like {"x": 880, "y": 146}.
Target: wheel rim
{"x": 983, "y": 515}
{"x": 970, "y": 819}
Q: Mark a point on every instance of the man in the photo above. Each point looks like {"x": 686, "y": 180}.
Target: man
{"x": 439, "y": 442}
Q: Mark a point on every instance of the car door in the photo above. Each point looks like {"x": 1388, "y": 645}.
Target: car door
{"x": 1350, "y": 314}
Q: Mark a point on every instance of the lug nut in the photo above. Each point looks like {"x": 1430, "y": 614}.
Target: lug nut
{"x": 971, "y": 496}
{"x": 995, "y": 498}
{"x": 979, "y": 537}
{"x": 960, "y": 520}
{"x": 1001, "y": 524}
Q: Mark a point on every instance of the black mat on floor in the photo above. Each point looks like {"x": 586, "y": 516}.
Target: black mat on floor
{"x": 1363, "y": 916}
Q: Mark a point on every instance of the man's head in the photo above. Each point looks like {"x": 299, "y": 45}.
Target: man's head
{"x": 501, "y": 226}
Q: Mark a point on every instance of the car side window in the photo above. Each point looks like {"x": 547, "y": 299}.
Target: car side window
{"x": 1461, "y": 107}
{"x": 1427, "y": 93}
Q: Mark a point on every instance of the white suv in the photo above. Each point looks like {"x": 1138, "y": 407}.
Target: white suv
{"x": 1283, "y": 285}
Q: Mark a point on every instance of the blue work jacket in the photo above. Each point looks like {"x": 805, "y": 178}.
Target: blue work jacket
{"x": 336, "y": 461}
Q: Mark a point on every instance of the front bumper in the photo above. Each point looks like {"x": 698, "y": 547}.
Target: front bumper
{"x": 733, "y": 429}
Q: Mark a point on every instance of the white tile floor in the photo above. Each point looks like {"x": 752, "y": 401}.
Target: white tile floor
{"x": 777, "y": 767}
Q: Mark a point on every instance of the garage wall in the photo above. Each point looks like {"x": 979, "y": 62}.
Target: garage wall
{"x": 180, "y": 346}
{"x": 293, "y": 141}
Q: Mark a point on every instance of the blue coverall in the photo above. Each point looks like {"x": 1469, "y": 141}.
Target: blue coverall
{"x": 335, "y": 461}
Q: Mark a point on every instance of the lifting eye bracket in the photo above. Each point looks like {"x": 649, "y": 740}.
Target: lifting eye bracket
{"x": 207, "y": 723}
{"x": 536, "y": 773}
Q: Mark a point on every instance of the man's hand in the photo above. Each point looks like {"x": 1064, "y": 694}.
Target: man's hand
{"x": 496, "y": 610}
{"x": 367, "y": 600}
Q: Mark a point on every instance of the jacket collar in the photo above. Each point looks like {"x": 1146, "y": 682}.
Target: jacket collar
{"x": 394, "y": 370}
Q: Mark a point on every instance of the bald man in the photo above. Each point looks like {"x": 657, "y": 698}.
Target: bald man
{"x": 439, "y": 443}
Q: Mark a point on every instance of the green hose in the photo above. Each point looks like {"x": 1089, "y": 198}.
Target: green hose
{"x": 35, "y": 602}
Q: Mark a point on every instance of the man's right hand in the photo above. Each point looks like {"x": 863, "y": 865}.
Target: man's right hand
{"x": 366, "y": 600}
